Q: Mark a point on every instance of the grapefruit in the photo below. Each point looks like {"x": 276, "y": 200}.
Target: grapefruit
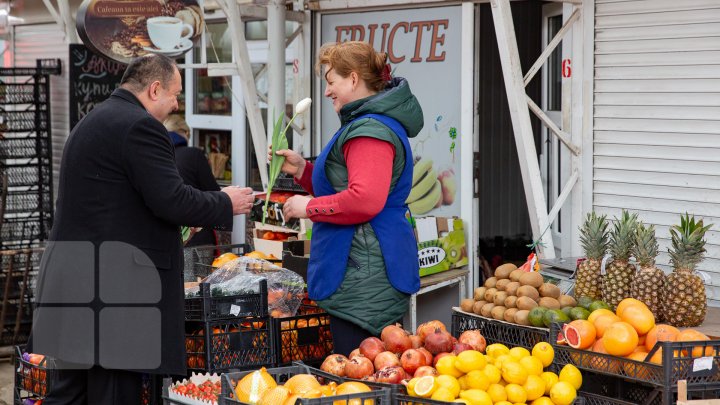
{"x": 691, "y": 335}
{"x": 635, "y": 370}
{"x": 660, "y": 333}
{"x": 639, "y": 317}
{"x": 629, "y": 302}
{"x": 620, "y": 339}
{"x": 602, "y": 363}
{"x": 598, "y": 313}
{"x": 580, "y": 334}
{"x": 603, "y": 322}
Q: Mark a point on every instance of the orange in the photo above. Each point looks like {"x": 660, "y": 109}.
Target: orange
{"x": 620, "y": 339}
{"x": 641, "y": 341}
{"x": 633, "y": 369}
{"x": 224, "y": 258}
{"x": 602, "y": 322}
{"x": 660, "y": 333}
{"x": 580, "y": 334}
{"x": 640, "y": 318}
{"x": 601, "y": 363}
{"x": 599, "y": 312}
{"x": 691, "y": 335}
{"x": 628, "y": 302}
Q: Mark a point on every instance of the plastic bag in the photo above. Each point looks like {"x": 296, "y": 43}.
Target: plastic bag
{"x": 285, "y": 292}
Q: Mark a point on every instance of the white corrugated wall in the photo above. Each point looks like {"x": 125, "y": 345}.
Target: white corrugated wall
{"x": 657, "y": 116}
{"x": 41, "y": 41}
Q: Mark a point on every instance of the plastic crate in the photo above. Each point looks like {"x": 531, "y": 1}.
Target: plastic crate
{"x": 151, "y": 390}
{"x": 378, "y": 396}
{"x": 402, "y": 399}
{"x": 496, "y": 331}
{"x": 285, "y": 183}
{"x": 28, "y": 175}
{"x": 20, "y": 93}
{"x": 207, "y": 307}
{"x": 28, "y": 201}
{"x": 26, "y": 232}
{"x": 241, "y": 343}
{"x": 663, "y": 377}
{"x": 25, "y": 147}
{"x": 32, "y": 381}
{"x": 304, "y": 337}
{"x": 198, "y": 259}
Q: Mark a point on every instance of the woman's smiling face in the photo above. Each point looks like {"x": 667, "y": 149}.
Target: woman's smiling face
{"x": 341, "y": 90}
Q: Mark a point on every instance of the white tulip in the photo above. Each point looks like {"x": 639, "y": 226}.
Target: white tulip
{"x": 303, "y": 105}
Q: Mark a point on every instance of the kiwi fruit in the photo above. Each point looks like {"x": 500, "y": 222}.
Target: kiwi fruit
{"x": 512, "y": 287}
{"x": 510, "y": 301}
{"x": 549, "y": 290}
{"x": 498, "y": 312}
{"x": 532, "y": 278}
{"x": 490, "y": 294}
{"x": 528, "y": 291}
{"x": 501, "y": 284}
{"x": 480, "y": 293}
{"x": 549, "y": 302}
{"x": 500, "y": 298}
{"x": 567, "y": 301}
{"x": 510, "y": 314}
{"x": 503, "y": 271}
{"x": 477, "y": 306}
{"x": 515, "y": 275}
{"x": 526, "y": 303}
{"x": 490, "y": 283}
{"x": 521, "y": 317}
{"x": 486, "y": 309}
{"x": 467, "y": 304}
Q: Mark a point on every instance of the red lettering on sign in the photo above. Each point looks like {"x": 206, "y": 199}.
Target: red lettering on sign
{"x": 420, "y": 25}
{"x": 566, "y": 68}
{"x": 437, "y": 39}
{"x": 391, "y": 55}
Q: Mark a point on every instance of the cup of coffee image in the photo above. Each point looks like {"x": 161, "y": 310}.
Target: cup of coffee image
{"x": 167, "y": 32}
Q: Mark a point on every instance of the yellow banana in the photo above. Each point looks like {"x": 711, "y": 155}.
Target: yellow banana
{"x": 423, "y": 186}
{"x": 422, "y": 166}
{"x": 428, "y": 201}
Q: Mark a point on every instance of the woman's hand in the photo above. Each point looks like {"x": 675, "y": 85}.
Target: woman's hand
{"x": 294, "y": 164}
{"x": 296, "y": 207}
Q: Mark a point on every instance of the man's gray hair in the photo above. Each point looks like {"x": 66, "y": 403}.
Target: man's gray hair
{"x": 142, "y": 71}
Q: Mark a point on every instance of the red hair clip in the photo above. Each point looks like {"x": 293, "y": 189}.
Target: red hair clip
{"x": 386, "y": 76}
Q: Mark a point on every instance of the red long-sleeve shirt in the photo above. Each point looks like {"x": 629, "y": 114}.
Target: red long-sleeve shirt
{"x": 369, "y": 163}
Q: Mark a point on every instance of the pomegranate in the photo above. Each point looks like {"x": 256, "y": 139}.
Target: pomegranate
{"x": 460, "y": 347}
{"x": 335, "y": 364}
{"x": 437, "y": 357}
{"x": 425, "y": 370}
{"x": 358, "y": 367}
{"x": 354, "y": 353}
{"x": 473, "y": 338}
{"x": 396, "y": 339}
{"x": 428, "y": 355}
{"x": 371, "y": 347}
{"x": 416, "y": 341}
{"x": 411, "y": 360}
{"x": 438, "y": 342}
{"x": 370, "y": 378}
{"x": 390, "y": 375}
{"x": 386, "y": 359}
{"x": 429, "y": 327}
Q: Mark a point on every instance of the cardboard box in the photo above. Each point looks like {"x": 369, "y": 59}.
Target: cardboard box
{"x": 441, "y": 244}
{"x": 303, "y": 232}
{"x": 274, "y": 210}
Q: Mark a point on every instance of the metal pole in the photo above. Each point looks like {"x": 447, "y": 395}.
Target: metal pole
{"x": 276, "y": 63}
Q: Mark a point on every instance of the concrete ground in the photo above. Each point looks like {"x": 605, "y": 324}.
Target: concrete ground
{"x": 6, "y": 382}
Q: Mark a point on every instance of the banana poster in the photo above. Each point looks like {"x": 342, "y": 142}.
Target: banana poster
{"x": 423, "y": 46}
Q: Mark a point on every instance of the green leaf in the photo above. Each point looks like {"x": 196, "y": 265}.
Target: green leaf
{"x": 279, "y": 142}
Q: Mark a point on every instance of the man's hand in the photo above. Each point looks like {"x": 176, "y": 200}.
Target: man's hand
{"x": 296, "y": 207}
{"x": 242, "y": 198}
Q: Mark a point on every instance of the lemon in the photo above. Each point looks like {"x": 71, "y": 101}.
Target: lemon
{"x": 550, "y": 380}
{"x": 572, "y": 375}
{"x": 497, "y": 393}
{"x": 503, "y": 403}
{"x": 463, "y": 383}
{"x": 514, "y": 373}
{"x": 562, "y": 393}
{"x": 501, "y": 359}
{"x": 462, "y": 401}
{"x": 470, "y": 360}
{"x": 442, "y": 394}
{"x": 448, "y": 382}
{"x": 446, "y": 365}
{"x": 496, "y": 349}
{"x": 411, "y": 386}
{"x": 515, "y": 393}
{"x": 532, "y": 364}
{"x": 476, "y": 397}
{"x": 544, "y": 352}
{"x": 477, "y": 379}
{"x": 534, "y": 387}
{"x": 519, "y": 352}
{"x": 542, "y": 401}
{"x": 425, "y": 386}
{"x": 493, "y": 373}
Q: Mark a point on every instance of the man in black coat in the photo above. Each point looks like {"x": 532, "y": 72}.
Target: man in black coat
{"x": 110, "y": 291}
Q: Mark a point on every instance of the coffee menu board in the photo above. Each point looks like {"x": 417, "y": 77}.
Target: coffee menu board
{"x": 92, "y": 79}
{"x": 125, "y": 29}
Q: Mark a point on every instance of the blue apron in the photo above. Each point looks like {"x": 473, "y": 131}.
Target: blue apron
{"x": 331, "y": 243}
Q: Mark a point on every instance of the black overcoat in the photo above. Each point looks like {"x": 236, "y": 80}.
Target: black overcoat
{"x": 114, "y": 295}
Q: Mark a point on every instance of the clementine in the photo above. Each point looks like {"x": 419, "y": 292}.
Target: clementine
{"x": 602, "y": 322}
{"x": 620, "y": 339}
{"x": 639, "y": 317}
{"x": 660, "y": 333}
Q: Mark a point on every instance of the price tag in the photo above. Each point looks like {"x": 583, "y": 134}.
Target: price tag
{"x": 703, "y": 363}
{"x": 234, "y": 310}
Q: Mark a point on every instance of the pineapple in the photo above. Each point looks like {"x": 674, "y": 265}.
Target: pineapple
{"x": 684, "y": 301}
{"x": 648, "y": 283}
{"x": 594, "y": 240}
{"x": 616, "y": 283}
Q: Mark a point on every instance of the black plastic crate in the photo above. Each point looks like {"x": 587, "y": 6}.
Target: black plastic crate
{"x": 496, "y": 331}
{"x": 24, "y": 121}
{"x": 151, "y": 389}
{"x": 28, "y": 201}
{"x": 24, "y": 232}
{"x": 304, "y": 337}
{"x": 287, "y": 183}
{"x": 199, "y": 259}
{"x": 34, "y": 379}
{"x": 165, "y": 394}
{"x": 240, "y": 343}
{"x": 209, "y": 307}
{"x": 378, "y": 395}
{"x": 402, "y": 399}
{"x": 25, "y": 147}
{"x": 28, "y": 175}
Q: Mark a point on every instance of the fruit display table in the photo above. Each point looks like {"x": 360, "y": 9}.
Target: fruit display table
{"x": 434, "y": 282}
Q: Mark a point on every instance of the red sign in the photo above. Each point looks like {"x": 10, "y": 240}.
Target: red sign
{"x": 566, "y": 68}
